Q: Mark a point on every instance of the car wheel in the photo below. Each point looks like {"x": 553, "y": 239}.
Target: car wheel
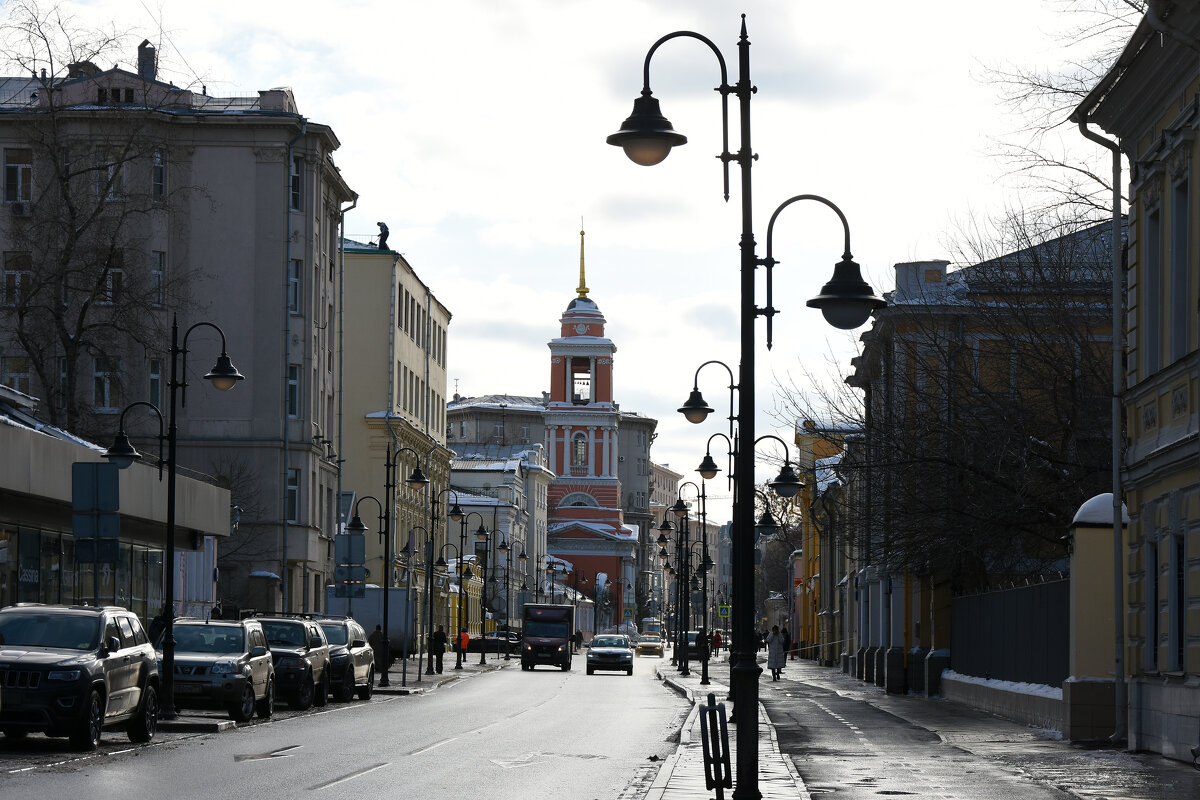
{"x": 145, "y": 722}
{"x": 86, "y": 733}
{"x": 346, "y": 690}
{"x": 591, "y": 671}
{"x": 302, "y": 699}
{"x": 243, "y": 710}
{"x": 322, "y": 688}
{"x": 364, "y": 692}
{"x": 629, "y": 672}
{"x": 265, "y": 707}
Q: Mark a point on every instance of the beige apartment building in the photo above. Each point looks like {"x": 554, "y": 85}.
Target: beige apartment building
{"x": 394, "y": 404}
{"x": 132, "y": 202}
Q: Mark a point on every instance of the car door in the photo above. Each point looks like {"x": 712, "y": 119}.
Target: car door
{"x": 363, "y": 656}
{"x": 116, "y": 669}
{"x": 260, "y": 666}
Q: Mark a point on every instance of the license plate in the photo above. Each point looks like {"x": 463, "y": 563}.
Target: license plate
{"x": 187, "y": 688}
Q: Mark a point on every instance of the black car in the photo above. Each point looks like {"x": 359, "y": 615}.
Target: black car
{"x": 224, "y": 664}
{"x": 610, "y": 651}
{"x": 301, "y": 655}
{"x": 75, "y": 670}
{"x": 351, "y": 659}
{"x": 495, "y": 642}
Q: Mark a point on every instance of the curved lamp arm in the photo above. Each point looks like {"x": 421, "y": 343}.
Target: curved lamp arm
{"x": 123, "y": 453}
{"x": 695, "y": 409}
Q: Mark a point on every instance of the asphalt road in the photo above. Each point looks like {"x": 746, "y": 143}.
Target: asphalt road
{"x": 497, "y": 734}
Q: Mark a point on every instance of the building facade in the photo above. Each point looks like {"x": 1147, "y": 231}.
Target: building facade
{"x": 1148, "y": 100}
{"x": 141, "y": 203}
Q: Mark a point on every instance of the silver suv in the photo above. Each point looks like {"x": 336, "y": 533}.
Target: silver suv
{"x": 224, "y": 664}
{"x": 75, "y": 670}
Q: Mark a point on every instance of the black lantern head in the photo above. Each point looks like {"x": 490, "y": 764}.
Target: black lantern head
{"x": 224, "y": 374}
{"x": 646, "y": 136}
{"x": 122, "y": 453}
{"x": 708, "y": 468}
{"x": 695, "y": 409}
{"x": 847, "y": 301}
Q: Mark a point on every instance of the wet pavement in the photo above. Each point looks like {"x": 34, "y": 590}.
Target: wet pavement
{"x": 839, "y": 736}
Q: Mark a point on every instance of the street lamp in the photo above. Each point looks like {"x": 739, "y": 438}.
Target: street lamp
{"x": 463, "y": 577}
{"x": 705, "y": 567}
{"x": 441, "y": 564}
{"x": 223, "y": 376}
{"x": 456, "y": 514}
{"x": 481, "y": 536}
{"x": 847, "y": 301}
{"x": 504, "y": 548}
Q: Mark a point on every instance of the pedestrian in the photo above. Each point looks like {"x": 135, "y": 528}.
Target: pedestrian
{"x": 787, "y": 643}
{"x": 383, "y": 234}
{"x": 775, "y": 652}
{"x": 577, "y": 639}
{"x": 378, "y": 645}
{"x": 716, "y": 643}
{"x": 437, "y": 648}
{"x": 464, "y": 642}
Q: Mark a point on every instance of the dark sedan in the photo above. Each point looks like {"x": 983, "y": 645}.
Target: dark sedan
{"x": 495, "y": 642}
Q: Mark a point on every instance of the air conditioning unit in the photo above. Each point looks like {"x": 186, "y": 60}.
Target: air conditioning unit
{"x": 20, "y": 209}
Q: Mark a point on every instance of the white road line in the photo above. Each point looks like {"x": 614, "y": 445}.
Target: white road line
{"x": 432, "y": 746}
{"x": 350, "y": 777}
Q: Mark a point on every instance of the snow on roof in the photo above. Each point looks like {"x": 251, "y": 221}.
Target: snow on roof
{"x": 1098, "y": 512}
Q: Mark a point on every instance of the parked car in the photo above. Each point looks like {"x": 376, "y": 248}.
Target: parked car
{"x": 351, "y": 659}
{"x": 610, "y": 651}
{"x": 75, "y": 670}
{"x": 650, "y": 644}
{"x": 301, "y": 654}
{"x": 495, "y": 642}
{"x": 695, "y": 648}
{"x": 223, "y": 664}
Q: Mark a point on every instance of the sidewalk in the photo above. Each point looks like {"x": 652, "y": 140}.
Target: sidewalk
{"x": 1087, "y": 772}
{"x": 682, "y": 774}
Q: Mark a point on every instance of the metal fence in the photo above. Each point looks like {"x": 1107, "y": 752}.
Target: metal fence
{"x": 1020, "y": 634}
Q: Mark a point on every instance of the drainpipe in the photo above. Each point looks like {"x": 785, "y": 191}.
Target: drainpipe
{"x": 284, "y": 586}
{"x": 340, "y": 371}
{"x": 1119, "y": 734}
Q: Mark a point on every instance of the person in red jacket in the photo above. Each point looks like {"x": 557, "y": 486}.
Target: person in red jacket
{"x": 464, "y": 641}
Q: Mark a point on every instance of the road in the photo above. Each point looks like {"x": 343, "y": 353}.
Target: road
{"x": 503, "y": 733}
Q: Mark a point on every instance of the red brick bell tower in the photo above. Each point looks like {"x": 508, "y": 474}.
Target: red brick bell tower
{"x": 585, "y": 525}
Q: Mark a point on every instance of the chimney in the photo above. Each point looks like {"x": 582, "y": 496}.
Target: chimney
{"x": 147, "y": 61}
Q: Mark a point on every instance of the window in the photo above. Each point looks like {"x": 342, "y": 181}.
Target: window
{"x": 524, "y": 431}
{"x": 18, "y": 174}
{"x": 110, "y": 179}
{"x": 156, "y": 381}
{"x": 158, "y": 276}
{"x": 462, "y": 427}
{"x": 1150, "y": 655}
{"x": 1151, "y": 294}
{"x": 498, "y": 429}
{"x": 292, "y": 502}
{"x": 1178, "y": 293}
{"x": 581, "y": 381}
{"x": 293, "y": 390}
{"x": 102, "y": 95}
{"x": 18, "y": 277}
{"x": 293, "y": 286}
{"x": 295, "y": 183}
{"x": 579, "y": 450}
{"x": 105, "y": 371}
{"x": 114, "y": 279}
{"x": 1177, "y": 604}
{"x": 158, "y": 175}
{"x": 15, "y": 373}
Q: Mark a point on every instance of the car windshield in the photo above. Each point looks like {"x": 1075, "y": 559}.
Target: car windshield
{"x": 610, "y": 641}
{"x": 545, "y": 629}
{"x": 650, "y": 638}
{"x": 208, "y": 639}
{"x": 336, "y": 634}
{"x": 60, "y": 631}
{"x": 288, "y": 634}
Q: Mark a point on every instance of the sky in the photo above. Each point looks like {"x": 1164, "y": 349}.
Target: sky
{"x": 476, "y": 130}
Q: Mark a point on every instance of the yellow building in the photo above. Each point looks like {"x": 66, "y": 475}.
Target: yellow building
{"x": 1150, "y": 100}
{"x": 394, "y": 401}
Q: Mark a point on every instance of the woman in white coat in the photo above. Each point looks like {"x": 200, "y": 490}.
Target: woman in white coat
{"x": 775, "y": 653}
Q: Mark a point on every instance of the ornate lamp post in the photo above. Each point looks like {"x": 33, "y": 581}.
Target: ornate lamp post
{"x": 462, "y": 575}
{"x": 481, "y": 536}
{"x": 456, "y": 514}
{"x": 846, "y": 301}
{"x": 223, "y": 376}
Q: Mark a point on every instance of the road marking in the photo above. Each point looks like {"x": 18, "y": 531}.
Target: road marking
{"x": 280, "y": 753}
{"x": 349, "y": 777}
{"x": 432, "y": 746}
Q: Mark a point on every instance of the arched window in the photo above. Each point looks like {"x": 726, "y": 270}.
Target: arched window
{"x": 579, "y": 450}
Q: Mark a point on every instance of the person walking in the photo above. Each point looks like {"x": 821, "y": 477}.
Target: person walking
{"x": 716, "y": 644}
{"x": 383, "y": 235}
{"x": 437, "y": 648}
{"x": 464, "y": 642}
{"x": 577, "y": 639}
{"x": 787, "y": 643}
{"x": 376, "y": 640}
{"x": 775, "y": 652}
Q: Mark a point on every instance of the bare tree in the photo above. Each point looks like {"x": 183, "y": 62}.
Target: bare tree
{"x": 982, "y": 407}
{"x": 89, "y": 182}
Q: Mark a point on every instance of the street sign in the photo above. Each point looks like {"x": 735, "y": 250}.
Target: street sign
{"x": 627, "y": 613}
{"x": 351, "y": 573}
{"x": 349, "y": 548}
{"x": 723, "y": 612}
{"x": 97, "y": 551}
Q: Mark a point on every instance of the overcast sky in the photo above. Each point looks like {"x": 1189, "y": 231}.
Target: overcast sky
{"x": 476, "y": 128}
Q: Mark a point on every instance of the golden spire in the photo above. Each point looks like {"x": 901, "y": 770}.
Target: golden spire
{"x": 583, "y": 289}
